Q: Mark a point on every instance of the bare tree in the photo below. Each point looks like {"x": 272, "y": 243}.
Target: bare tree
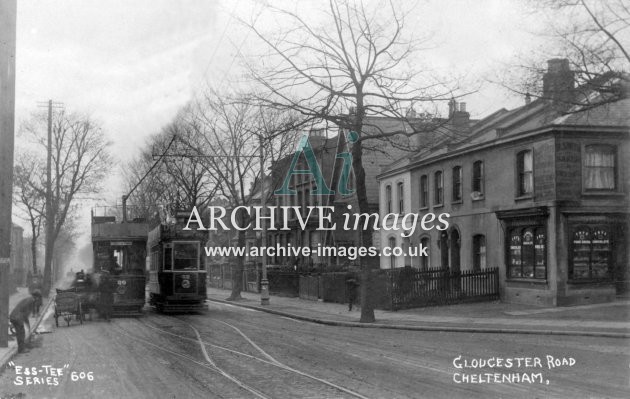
{"x": 180, "y": 178}
{"x": 230, "y": 132}
{"x": 27, "y": 197}
{"x": 594, "y": 37}
{"x": 363, "y": 62}
{"x": 79, "y": 163}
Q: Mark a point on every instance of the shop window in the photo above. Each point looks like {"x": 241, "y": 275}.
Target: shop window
{"x": 457, "y": 184}
{"x": 388, "y": 199}
{"x": 477, "y": 178}
{"x": 600, "y": 167}
{"x": 527, "y": 253}
{"x": 591, "y": 254}
{"x": 424, "y": 191}
{"x": 439, "y": 188}
{"x": 479, "y": 252}
{"x": 525, "y": 168}
{"x": 401, "y": 198}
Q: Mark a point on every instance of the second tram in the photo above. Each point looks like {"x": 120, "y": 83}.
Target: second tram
{"x": 177, "y": 275}
{"x": 120, "y": 249}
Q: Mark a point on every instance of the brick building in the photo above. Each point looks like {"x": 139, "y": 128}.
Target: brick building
{"x": 541, "y": 192}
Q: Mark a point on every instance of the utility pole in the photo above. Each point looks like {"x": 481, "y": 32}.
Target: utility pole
{"x": 8, "y": 12}
{"x": 264, "y": 282}
{"x": 50, "y": 213}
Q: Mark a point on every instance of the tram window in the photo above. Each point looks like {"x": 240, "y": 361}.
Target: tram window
{"x": 119, "y": 258}
{"x": 186, "y": 256}
{"x": 168, "y": 257}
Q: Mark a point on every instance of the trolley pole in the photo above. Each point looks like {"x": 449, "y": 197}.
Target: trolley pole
{"x": 264, "y": 283}
{"x": 8, "y": 11}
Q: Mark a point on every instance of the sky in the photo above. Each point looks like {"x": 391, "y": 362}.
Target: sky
{"x": 132, "y": 65}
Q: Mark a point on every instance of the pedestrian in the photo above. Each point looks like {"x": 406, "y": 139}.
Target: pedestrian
{"x": 19, "y": 317}
{"x": 351, "y": 288}
{"x": 38, "y": 302}
{"x": 106, "y": 295}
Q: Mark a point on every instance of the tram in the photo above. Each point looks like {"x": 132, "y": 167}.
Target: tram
{"x": 177, "y": 275}
{"x": 119, "y": 248}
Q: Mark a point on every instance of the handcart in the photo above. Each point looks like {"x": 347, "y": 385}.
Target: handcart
{"x": 68, "y": 305}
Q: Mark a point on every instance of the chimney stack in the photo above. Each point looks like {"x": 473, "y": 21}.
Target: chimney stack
{"x": 559, "y": 83}
{"x": 452, "y": 107}
{"x": 458, "y": 115}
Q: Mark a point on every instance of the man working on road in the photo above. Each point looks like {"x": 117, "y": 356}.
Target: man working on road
{"x": 351, "y": 288}
{"x": 19, "y": 317}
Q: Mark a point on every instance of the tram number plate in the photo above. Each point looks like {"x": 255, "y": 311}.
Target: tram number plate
{"x": 185, "y": 283}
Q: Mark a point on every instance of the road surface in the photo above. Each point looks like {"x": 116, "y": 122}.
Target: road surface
{"x": 231, "y": 352}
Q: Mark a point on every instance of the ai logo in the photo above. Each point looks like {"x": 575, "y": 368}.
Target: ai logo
{"x": 304, "y": 147}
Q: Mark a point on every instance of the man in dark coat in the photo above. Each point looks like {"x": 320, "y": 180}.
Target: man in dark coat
{"x": 106, "y": 295}
{"x": 351, "y": 288}
{"x": 19, "y": 317}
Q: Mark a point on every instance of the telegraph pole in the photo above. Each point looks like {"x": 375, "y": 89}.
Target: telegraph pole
{"x": 264, "y": 282}
{"x": 50, "y": 214}
{"x": 8, "y": 11}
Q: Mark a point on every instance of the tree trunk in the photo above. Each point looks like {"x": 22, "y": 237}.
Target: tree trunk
{"x": 34, "y": 252}
{"x": 367, "y": 307}
{"x": 237, "y": 274}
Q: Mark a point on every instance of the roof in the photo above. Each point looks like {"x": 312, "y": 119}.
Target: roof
{"x": 591, "y": 113}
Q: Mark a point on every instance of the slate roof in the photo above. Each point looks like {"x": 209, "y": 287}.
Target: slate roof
{"x": 539, "y": 115}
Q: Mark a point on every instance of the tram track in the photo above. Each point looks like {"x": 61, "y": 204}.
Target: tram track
{"x": 215, "y": 360}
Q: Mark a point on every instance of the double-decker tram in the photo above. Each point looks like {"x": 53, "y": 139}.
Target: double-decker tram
{"x": 177, "y": 273}
{"x": 119, "y": 248}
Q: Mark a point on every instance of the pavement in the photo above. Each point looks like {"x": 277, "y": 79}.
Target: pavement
{"x": 7, "y": 353}
{"x": 610, "y": 320}
{"x": 600, "y": 320}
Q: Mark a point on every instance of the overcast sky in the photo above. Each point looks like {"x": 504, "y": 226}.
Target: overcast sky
{"x": 133, "y": 64}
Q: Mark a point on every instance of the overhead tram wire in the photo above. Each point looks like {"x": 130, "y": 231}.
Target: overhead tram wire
{"x": 125, "y": 197}
{"x": 216, "y": 48}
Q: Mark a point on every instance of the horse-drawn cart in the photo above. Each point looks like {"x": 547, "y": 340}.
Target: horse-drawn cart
{"x": 68, "y": 305}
